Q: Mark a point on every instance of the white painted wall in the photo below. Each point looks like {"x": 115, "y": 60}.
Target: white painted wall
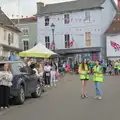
{"x": 15, "y": 44}
{"x": 16, "y": 37}
{"x": 76, "y": 28}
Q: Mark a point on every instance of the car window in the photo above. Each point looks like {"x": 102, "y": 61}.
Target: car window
{"x": 17, "y": 68}
{"x": 2, "y": 67}
{"x": 27, "y": 68}
{"x": 20, "y": 67}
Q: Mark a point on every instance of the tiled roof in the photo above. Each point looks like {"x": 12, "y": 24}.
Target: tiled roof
{"x": 4, "y": 20}
{"x": 71, "y": 6}
{"x": 25, "y": 20}
{"x": 115, "y": 25}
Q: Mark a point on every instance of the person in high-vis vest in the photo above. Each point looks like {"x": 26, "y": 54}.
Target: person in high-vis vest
{"x": 98, "y": 79}
{"x": 119, "y": 67}
{"x": 84, "y": 76}
{"x": 116, "y": 67}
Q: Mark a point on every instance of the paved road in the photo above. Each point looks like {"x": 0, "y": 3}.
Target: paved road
{"x": 64, "y": 103}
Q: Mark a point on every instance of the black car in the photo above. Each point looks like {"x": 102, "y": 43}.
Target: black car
{"x": 25, "y": 81}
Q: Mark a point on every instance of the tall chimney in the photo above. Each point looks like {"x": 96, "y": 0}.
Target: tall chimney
{"x": 119, "y": 5}
{"x": 40, "y": 6}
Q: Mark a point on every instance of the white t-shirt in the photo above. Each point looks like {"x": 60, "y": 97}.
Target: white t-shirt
{"x": 47, "y": 68}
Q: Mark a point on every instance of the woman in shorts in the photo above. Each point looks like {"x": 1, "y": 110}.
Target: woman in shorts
{"x": 84, "y": 76}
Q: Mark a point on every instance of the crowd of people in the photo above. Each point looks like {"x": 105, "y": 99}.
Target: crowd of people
{"x": 49, "y": 69}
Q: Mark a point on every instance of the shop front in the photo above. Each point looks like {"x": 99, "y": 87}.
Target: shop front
{"x": 80, "y": 53}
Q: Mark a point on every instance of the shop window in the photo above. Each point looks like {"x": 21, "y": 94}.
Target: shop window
{"x": 67, "y": 40}
{"x": 88, "y": 39}
{"x": 47, "y": 42}
{"x": 95, "y": 56}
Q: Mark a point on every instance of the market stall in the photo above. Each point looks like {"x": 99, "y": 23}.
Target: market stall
{"x": 37, "y": 51}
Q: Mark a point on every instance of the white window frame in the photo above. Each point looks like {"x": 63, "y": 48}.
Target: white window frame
{"x": 47, "y": 41}
{"x": 23, "y": 33}
{"x": 88, "y": 39}
{"x": 87, "y": 15}
{"x": 66, "y": 18}
{"x": 23, "y": 40}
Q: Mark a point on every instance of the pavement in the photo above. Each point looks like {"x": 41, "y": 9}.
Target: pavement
{"x": 64, "y": 103}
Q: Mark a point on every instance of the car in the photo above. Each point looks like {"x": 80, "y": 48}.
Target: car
{"x": 25, "y": 81}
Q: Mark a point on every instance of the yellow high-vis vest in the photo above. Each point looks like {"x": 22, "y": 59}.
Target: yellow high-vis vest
{"x": 98, "y": 77}
{"x": 83, "y": 73}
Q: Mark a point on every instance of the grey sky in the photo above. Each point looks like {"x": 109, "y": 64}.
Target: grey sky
{"x": 27, "y": 7}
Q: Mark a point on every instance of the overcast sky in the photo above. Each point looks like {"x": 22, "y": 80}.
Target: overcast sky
{"x": 27, "y": 7}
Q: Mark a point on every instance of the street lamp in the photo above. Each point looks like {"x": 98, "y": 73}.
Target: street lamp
{"x": 53, "y": 29}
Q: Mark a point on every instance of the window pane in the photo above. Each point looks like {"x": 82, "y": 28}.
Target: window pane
{"x": 25, "y": 31}
{"x": 46, "y": 20}
{"x": 66, "y": 18}
{"x": 47, "y": 41}
{"x": 67, "y": 40}
{"x": 26, "y": 45}
{"x": 87, "y": 15}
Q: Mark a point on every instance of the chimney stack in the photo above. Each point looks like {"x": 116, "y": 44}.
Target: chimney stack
{"x": 119, "y": 5}
{"x": 40, "y": 6}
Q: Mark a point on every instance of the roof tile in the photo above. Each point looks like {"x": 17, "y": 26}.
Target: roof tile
{"x": 71, "y": 6}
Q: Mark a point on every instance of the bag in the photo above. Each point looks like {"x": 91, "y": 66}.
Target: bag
{"x": 47, "y": 74}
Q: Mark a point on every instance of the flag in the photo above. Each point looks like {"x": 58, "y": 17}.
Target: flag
{"x": 71, "y": 43}
{"x": 115, "y": 46}
{"x": 52, "y": 45}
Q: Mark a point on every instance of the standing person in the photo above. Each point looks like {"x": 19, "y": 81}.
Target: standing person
{"x": 104, "y": 66}
{"x": 98, "y": 79}
{"x": 5, "y": 84}
{"x": 116, "y": 67}
{"x": 52, "y": 74}
{"x": 47, "y": 69}
{"x": 91, "y": 66}
{"x": 84, "y": 76}
{"x": 12, "y": 56}
{"x": 119, "y": 67}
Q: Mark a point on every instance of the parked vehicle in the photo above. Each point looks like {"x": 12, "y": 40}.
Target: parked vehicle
{"x": 25, "y": 81}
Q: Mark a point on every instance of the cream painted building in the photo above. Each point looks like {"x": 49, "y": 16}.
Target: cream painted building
{"x": 9, "y": 36}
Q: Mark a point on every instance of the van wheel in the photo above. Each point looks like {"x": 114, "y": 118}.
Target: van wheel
{"x": 37, "y": 92}
{"x": 20, "y": 99}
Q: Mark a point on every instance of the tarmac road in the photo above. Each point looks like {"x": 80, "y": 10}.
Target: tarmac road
{"x": 64, "y": 103}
